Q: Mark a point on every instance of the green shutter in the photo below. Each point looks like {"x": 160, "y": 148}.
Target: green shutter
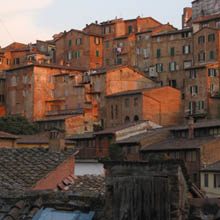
{"x": 172, "y": 51}
{"x": 158, "y": 53}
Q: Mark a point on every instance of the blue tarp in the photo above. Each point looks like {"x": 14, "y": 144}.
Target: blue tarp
{"x": 51, "y": 214}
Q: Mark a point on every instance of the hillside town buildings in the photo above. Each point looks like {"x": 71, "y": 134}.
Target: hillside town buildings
{"x": 130, "y": 90}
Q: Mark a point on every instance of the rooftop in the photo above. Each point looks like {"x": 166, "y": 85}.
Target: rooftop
{"x": 88, "y": 135}
{"x": 21, "y": 169}
{"x": 215, "y": 167}
{"x": 115, "y": 129}
{"x": 178, "y": 144}
{"x": 203, "y": 124}
{"x": 138, "y": 138}
{"x": 4, "y": 135}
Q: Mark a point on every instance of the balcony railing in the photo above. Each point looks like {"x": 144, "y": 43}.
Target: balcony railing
{"x": 64, "y": 112}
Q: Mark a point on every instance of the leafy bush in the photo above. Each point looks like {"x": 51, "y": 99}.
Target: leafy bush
{"x": 17, "y": 125}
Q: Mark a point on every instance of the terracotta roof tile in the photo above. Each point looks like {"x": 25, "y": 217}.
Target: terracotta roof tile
{"x": 5, "y": 135}
{"x": 84, "y": 184}
{"x": 21, "y": 168}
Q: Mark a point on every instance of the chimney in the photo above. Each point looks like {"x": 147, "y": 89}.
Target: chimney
{"x": 191, "y": 127}
{"x": 96, "y": 22}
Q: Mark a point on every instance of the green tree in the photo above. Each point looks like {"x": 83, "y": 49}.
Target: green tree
{"x": 17, "y": 125}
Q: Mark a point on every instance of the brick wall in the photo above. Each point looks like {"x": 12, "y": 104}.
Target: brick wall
{"x": 56, "y": 176}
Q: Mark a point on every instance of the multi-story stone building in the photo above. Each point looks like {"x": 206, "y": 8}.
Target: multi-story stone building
{"x": 145, "y": 104}
{"x": 30, "y": 87}
{"x": 79, "y": 48}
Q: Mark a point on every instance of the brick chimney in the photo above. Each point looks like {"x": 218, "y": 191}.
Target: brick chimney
{"x": 191, "y": 127}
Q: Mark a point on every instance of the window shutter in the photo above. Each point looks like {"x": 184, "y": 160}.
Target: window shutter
{"x": 183, "y": 49}
{"x": 215, "y": 182}
{"x": 196, "y": 89}
{"x": 214, "y": 72}
{"x": 209, "y": 72}
{"x": 189, "y": 49}
{"x": 161, "y": 67}
{"x": 175, "y": 66}
{"x": 169, "y": 66}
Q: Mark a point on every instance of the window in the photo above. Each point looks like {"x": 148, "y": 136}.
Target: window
{"x": 192, "y": 74}
{"x": 211, "y": 88}
{"x": 70, "y": 43}
{"x": 138, "y": 51}
{"x": 127, "y": 102}
{"x": 77, "y": 54}
{"x": 212, "y": 72}
{"x": 193, "y": 90}
{"x": 42, "y": 48}
{"x": 158, "y": 53}
{"x": 136, "y": 101}
{"x": 97, "y": 53}
{"x": 107, "y": 29}
{"x": 116, "y": 111}
{"x": 2, "y": 99}
{"x": 112, "y": 112}
{"x": 206, "y": 180}
{"x": 25, "y": 78}
{"x": 100, "y": 144}
{"x": 66, "y": 91}
{"x": 119, "y": 61}
{"x": 201, "y": 105}
{"x": 159, "y": 67}
{"x": 129, "y": 29}
{"x": 218, "y": 24}
{"x": 146, "y": 52}
{"x": 69, "y": 55}
{"x": 65, "y": 78}
{"x": 136, "y": 118}
{"x": 187, "y": 64}
{"x": 172, "y": 51}
{"x": 211, "y": 55}
{"x": 107, "y": 44}
{"x": 211, "y": 37}
{"x": 186, "y": 49}
{"x": 172, "y": 66}
{"x": 78, "y": 41}
{"x": 97, "y": 40}
{"x": 201, "y": 39}
{"x": 172, "y": 83}
{"x": 216, "y": 180}
{"x": 147, "y": 37}
{"x": 127, "y": 119}
{"x": 107, "y": 62}
{"x": 201, "y": 56}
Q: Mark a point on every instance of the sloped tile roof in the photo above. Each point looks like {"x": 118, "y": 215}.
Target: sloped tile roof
{"x": 26, "y": 206}
{"x": 4, "y": 135}
{"x": 21, "y": 168}
{"x": 84, "y": 184}
{"x": 215, "y": 167}
{"x": 178, "y": 144}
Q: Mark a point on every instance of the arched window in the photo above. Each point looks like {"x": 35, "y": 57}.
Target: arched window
{"x": 136, "y": 118}
{"x": 127, "y": 119}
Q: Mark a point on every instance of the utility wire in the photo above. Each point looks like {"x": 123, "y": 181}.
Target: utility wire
{"x": 1, "y": 21}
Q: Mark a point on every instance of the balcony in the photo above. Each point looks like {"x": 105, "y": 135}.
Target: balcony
{"x": 196, "y": 113}
{"x": 215, "y": 95}
{"x": 64, "y": 112}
